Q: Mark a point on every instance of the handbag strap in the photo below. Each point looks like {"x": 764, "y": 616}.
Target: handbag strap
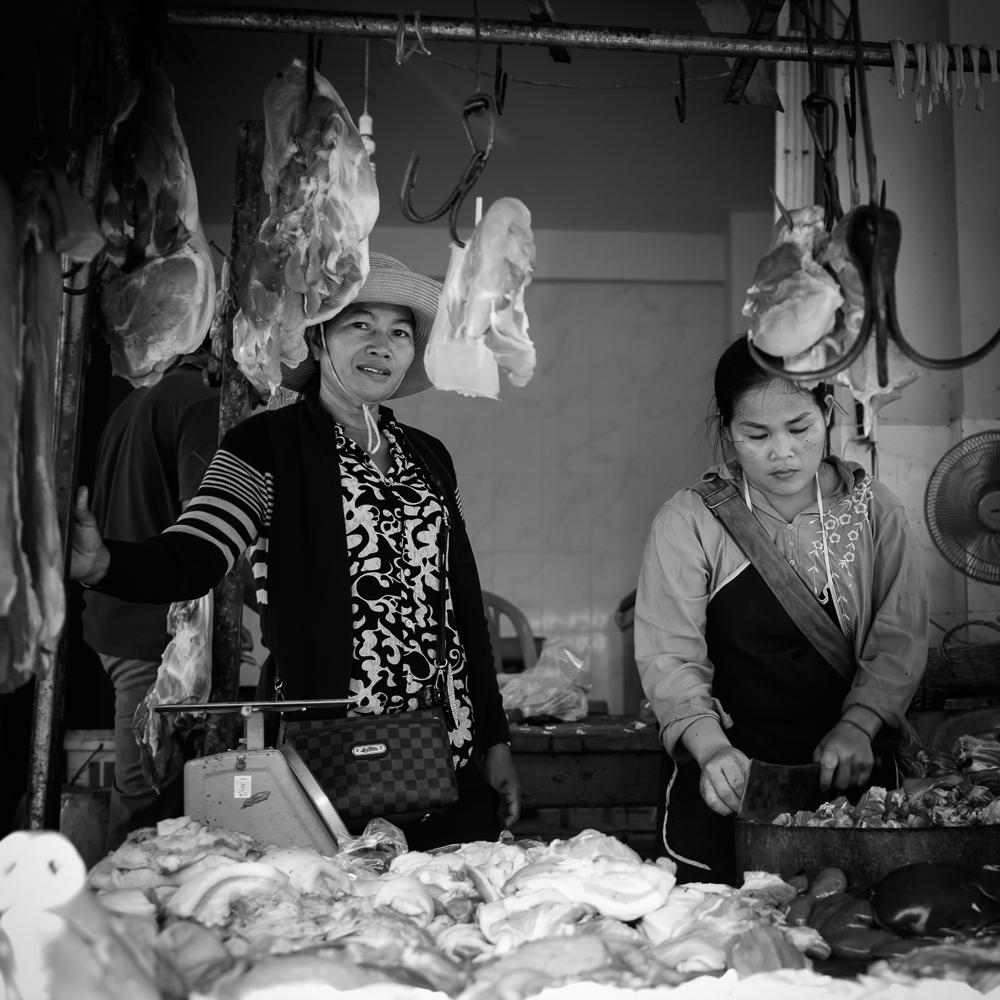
{"x": 787, "y": 586}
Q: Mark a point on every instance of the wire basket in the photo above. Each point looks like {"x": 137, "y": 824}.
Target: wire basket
{"x": 959, "y": 668}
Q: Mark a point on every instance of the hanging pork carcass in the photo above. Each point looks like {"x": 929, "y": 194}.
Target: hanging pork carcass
{"x": 50, "y": 220}
{"x": 311, "y": 256}
{"x": 158, "y": 297}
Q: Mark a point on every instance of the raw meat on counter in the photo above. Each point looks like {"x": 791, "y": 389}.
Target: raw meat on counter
{"x": 311, "y": 256}
{"x": 158, "y": 297}
{"x": 50, "y": 219}
{"x": 192, "y": 911}
{"x": 481, "y": 322}
{"x": 957, "y": 789}
{"x": 939, "y": 900}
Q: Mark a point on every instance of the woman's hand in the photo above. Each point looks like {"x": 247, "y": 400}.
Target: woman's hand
{"x": 723, "y": 776}
{"x": 845, "y": 756}
{"x": 723, "y": 767}
{"x": 501, "y": 774}
{"x": 90, "y": 558}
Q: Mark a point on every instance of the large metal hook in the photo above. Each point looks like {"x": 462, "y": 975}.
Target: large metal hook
{"x": 873, "y": 238}
{"x": 856, "y": 246}
{"x": 475, "y": 105}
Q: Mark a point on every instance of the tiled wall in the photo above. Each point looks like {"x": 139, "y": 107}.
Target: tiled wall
{"x": 561, "y": 479}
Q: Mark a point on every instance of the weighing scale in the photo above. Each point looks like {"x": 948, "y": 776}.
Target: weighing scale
{"x": 267, "y": 793}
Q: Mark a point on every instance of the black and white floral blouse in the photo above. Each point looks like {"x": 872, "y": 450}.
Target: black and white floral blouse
{"x": 393, "y": 524}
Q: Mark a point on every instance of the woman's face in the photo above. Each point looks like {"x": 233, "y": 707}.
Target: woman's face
{"x": 779, "y": 436}
{"x": 371, "y": 346}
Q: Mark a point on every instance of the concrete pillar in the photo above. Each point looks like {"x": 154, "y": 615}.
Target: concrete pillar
{"x": 976, "y": 140}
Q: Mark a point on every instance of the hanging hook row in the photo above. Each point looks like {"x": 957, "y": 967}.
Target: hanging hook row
{"x": 873, "y": 239}
{"x": 403, "y": 53}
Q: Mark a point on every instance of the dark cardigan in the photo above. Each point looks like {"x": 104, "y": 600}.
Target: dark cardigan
{"x": 307, "y": 622}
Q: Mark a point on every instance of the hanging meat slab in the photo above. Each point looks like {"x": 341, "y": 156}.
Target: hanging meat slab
{"x": 311, "y": 256}
{"x": 51, "y": 220}
{"x": 42, "y": 540}
{"x": 20, "y": 617}
{"x": 793, "y": 301}
{"x": 10, "y": 339}
{"x": 159, "y": 284}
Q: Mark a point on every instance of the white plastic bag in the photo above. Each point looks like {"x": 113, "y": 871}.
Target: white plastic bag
{"x": 555, "y": 686}
{"x": 184, "y": 677}
{"x": 481, "y": 321}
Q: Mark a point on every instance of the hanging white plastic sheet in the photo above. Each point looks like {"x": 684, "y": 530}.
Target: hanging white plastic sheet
{"x": 481, "y": 324}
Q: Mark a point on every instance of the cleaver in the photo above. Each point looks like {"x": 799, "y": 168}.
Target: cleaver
{"x": 772, "y": 789}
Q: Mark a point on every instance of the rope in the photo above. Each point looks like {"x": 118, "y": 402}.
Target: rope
{"x": 365, "y": 109}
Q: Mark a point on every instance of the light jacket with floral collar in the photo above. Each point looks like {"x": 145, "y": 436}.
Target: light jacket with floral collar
{"x": 877, "y": 577}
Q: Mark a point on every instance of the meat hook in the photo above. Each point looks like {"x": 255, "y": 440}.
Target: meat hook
{"x": 815, "y": 108}
{"x": 681, "y": 103}
{"x": 91, "y": 285}
{"x": 499, "y": 83}
{"x": 477, "y": 104}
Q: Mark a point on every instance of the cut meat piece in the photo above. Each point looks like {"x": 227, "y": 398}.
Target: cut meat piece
{"x": 481, "y": 320}
{"x": 793, "y": 301}
{"x": 807, "y": 306}
{"x": 42, "y": 540}
{"x": 159, "y": 286}
{"x": 311, "y": 256}
{"x": 10, "y": 394}
{"x": 159, "y": 310}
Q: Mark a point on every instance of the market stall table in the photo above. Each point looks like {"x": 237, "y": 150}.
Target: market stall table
{"x": 600, "y": 762}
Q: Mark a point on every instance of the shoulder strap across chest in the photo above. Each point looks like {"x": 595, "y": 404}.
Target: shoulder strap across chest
{"x": 725, "y": 503}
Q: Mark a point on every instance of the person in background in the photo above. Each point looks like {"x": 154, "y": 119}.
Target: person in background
{"x": 727, "y": 672}
{"x": 151, "y": 460}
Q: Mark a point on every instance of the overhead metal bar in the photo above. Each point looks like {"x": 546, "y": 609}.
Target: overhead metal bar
{"x": 572, "y": 36}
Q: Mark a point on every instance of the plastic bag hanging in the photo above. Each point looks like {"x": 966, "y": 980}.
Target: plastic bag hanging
{"x": 184, "y": 677}
{"x": 481, "y": 322}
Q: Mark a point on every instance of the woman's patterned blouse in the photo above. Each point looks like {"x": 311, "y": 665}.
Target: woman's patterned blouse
{"x": 393, "y": 524}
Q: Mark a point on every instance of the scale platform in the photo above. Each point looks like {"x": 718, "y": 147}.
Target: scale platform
{"x": 267, "y": 793}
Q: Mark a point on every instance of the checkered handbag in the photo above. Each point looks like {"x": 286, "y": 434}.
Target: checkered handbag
{"x": 395, "y": 766}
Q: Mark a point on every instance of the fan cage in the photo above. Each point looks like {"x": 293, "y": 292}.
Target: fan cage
{"x": 961, "y": 477}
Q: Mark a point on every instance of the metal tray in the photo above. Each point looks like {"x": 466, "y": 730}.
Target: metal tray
{"x": 864, "y": 855}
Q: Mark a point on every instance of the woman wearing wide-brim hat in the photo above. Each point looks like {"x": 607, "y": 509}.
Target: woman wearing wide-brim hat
{"x": 345, "y": 513}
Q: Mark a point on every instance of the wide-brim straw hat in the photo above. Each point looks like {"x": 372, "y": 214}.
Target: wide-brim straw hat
{"x": 391, "y": 282}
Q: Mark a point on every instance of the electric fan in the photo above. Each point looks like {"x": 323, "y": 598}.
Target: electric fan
{"x": 963, "y": 506}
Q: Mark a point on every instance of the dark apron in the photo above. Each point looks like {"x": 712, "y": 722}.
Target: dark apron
{"x": 783, "y": 698}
